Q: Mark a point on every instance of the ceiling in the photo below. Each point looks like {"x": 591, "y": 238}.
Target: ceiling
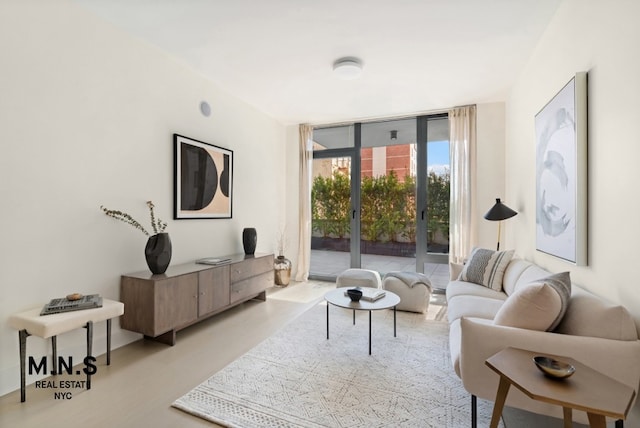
{"x": 277, "y": 55}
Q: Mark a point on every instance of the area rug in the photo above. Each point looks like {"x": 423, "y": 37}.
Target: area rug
{"x": 298, "y": 378}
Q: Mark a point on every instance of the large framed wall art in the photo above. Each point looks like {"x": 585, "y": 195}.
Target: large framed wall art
{"x": 203, "y": 179}
{"x": 561, "y": 173}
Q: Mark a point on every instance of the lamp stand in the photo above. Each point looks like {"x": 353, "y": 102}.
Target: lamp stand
{"x": 498, "y": 213}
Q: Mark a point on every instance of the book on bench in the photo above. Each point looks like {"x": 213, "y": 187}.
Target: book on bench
{"x": 56, "y": 306}
{"x": 369, "y": 294}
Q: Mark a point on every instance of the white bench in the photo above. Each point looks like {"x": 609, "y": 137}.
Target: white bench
{"x": 32, "y": 323}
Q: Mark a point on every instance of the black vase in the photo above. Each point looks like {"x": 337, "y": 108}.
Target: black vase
{"x": 249, "y": 240}
{"x": 158, "y": 252}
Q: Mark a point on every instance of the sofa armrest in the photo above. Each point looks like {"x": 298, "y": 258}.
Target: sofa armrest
{"x": 480, "y": 339}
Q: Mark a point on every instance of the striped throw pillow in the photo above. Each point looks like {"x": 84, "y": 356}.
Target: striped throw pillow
{"x": 561, "y": 283}
{"x": 486, "y": 267}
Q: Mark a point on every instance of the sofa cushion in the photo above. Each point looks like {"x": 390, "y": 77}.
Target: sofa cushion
{"x": 455, "y": 269}
{"x": 534, "y": 307}
{"x": 486, "y": 267}
{"x": 531, "y": 274}
{"x": 512, "y": 274}
{"x": 472, "y": 306}
{"x": 463, "y": 288}
{"x": 590, "y": 315}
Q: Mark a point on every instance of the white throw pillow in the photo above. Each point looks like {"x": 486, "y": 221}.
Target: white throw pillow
{"x": 533, "y": 307}
{"x": 539, "y": 305}
{"x": 486, "y": 267}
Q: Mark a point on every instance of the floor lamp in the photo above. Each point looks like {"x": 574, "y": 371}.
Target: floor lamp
{"x": 498, "y": 213}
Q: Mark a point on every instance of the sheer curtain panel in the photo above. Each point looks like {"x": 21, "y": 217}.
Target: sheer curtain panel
{"x": 304, "y": 221}
{"x": 462, "y": 146}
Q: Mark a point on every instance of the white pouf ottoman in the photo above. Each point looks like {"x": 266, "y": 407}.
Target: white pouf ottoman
{"x": 359, "y": 278}
{"x": 413, "y": 288}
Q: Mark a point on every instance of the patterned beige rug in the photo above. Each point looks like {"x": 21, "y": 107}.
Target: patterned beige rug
{"x": 298, "y": 378}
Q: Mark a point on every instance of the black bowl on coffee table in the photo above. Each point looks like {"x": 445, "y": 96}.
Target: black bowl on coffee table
{"x": 354, "y": 294}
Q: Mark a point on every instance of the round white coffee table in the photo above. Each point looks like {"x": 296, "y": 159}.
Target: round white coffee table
{"x": 337, "y": 298}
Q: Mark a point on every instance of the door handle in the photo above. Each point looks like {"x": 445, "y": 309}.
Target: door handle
{"x": 353, "y": 215}
{"x": 422, "y": 214}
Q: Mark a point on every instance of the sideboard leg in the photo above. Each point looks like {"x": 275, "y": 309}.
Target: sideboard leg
{"x": 168, "y": 338}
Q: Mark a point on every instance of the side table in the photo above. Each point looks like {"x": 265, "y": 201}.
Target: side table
{"x": 587, "y": 389}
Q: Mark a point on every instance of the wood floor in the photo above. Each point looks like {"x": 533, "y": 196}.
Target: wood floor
{"x": 145, "y": 377}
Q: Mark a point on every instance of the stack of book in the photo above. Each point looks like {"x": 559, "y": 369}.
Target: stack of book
{"x": 213, "y": 261}
{"x": 63, "y": 304}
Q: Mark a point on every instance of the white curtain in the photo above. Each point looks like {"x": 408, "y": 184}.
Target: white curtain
{"x": 304, "y": 231}
{"x": 462, "y": 146}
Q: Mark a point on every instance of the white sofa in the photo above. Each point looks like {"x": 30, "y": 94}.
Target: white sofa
{"x": 593, "y": 331}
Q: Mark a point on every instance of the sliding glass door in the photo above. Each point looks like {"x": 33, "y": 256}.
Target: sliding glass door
{"x": 388, "y": 192}
{"x": 332, "y": 202}
{"x": 380, "y": 196}
{"x": 434, "y": 191}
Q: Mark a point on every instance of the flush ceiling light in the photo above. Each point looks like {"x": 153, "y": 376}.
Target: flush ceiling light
{"x": 347, "y": 68}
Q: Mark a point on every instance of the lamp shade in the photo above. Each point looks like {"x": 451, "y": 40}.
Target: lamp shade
{"x": 499, "y": 212}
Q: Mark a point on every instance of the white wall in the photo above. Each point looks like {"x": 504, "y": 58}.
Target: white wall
{"x": 87, "y": 115}
{"x": 490, "y": 172}
{"x": 603, "y": 39}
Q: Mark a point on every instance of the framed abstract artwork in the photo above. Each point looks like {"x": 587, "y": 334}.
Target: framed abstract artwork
{"x": 561, "y": 173}
{"x": 203, "y": 179}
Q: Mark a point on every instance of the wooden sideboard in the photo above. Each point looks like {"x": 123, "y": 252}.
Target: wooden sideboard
{"x": 160, "y": 305}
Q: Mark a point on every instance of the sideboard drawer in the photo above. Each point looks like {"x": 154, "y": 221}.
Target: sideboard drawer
{"x": 256, "y": 284}
{"x": 251, "y": 267}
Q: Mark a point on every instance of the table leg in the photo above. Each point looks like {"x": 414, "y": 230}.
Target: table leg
{"x": 501, "y": 397}
{"x": 369, "y": 332}
{"x": 596, "y": 421}
{"x": 474, "y": 411}
{"x": 327, "y": 320}
{"x": 394, "y": 322}
{"x": 568, "y": 417}
{"x": 54, "y": 347}
{"x": 109, "y": 341}
{"x": 89, "y": 328}
{"x": 22, "y": 339}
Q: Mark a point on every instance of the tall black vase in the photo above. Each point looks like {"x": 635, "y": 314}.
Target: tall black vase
{"x": 158, "y": 252}
{"x": 249, "y": 240}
